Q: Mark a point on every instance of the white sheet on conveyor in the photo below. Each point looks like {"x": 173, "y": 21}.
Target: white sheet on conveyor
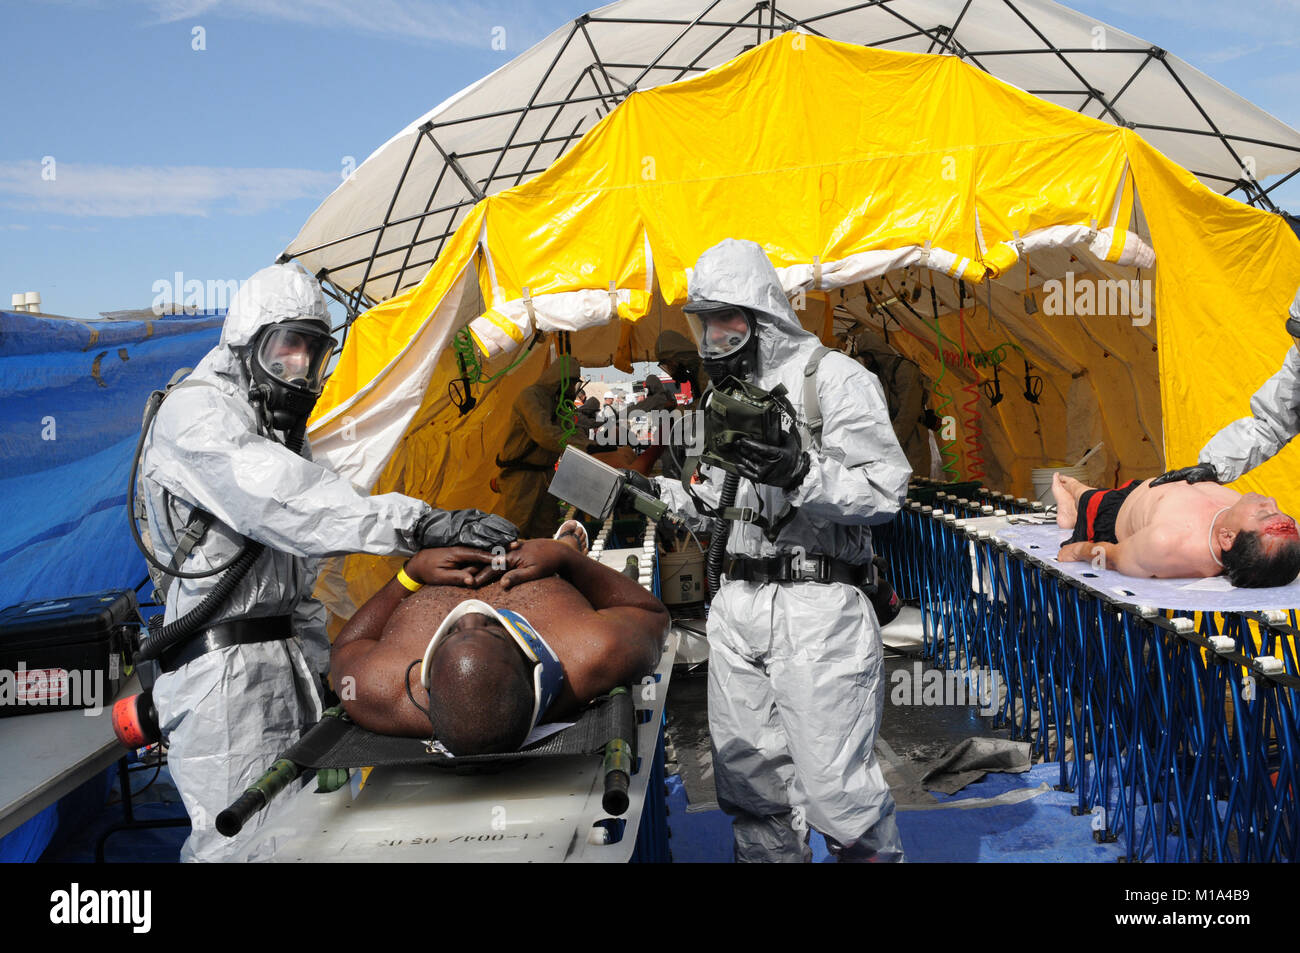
{"x": 1202, "y": 595}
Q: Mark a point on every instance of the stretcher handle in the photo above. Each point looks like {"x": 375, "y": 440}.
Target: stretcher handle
{"x": 620, "y": 758}
{"x": 278, "y": 777}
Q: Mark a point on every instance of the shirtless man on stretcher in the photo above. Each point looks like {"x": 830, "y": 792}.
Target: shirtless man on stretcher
{"x": 1179, "y": 530}
{"x": 489, "y": 652}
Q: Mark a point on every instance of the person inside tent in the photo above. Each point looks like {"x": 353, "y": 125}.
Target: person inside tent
{"x": 481, "y": 655}
{"x": 1178, "y": 530}
{"x": 905, "y": 391}
{"x": 680, "y": 361}
{"x": 533, "y": 445}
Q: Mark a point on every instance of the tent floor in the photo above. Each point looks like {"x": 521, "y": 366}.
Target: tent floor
{"x": 1002, "y": 818}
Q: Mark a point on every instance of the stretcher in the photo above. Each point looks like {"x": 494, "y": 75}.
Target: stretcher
{"x": 546, "y": 809}
{"x": 1170, "y": 705}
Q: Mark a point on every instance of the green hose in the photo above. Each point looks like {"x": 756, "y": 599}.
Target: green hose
{"x": 463, "y": 344}
{"x": 564, "y": 408}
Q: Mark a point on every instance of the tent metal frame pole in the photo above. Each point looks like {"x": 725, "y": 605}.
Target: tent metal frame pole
{"x": 513, "y": 110}
{"x": 1217, "y": 135}
{"x": 614, "y": 97}
{"x": 932, "y": 33}
{"x": 1068, "y": 65}
{"x": 686, "y": 28}
{"x": 608, "y": 96}
{"x": 703, "y": 53}
{"x": 573, "y": 31}
{"x": 1131, "y": 51}
{"x": 392, "y": 203}
{"x": 698, "y": 21}
{"x": 952, "y": 32}
{"x": 522, "y": 144}
{"x": 367, "y": 231}
{"x": 836, "y": 13}
{"x": 410, "y": 245}
{"x": 1250, "y": 177}
{"x": 1289, "y": 175}
{"x": 1151, "y": 55}
{"x": 587, "y": 71}
{"x": 450, "y": 158}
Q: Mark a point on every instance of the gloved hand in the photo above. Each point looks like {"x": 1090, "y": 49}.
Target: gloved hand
{"x": 1293, "y": 318}
{"x": 1201, "y": 473}
{"x": 783, "y": 466}
{"x": 463, "y": 528}
{"x": 640, "y": 482}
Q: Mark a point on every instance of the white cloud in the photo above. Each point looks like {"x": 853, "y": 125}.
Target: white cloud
{"x": 13, "y": 228}
{"x": 133, "y": 191}
{"x": 465, "y": 24}
{"x": 1237, "y": 51}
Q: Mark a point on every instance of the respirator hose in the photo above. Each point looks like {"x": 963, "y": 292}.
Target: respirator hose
{"x": 174, "y": 633}
{"x": 721, "y": 530}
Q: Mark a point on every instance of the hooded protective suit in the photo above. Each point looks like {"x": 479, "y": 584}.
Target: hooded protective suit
{"x": 796, "y": 669}
{"x": 1246, "y": 443}
{"x": 227, "y": 714}
{"x": 532, "y": 447}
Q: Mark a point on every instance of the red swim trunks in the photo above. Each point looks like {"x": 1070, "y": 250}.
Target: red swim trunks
{"x": 1098, "y": 510}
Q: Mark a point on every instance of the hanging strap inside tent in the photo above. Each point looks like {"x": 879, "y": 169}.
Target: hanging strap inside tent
{"x": 973, "y": 421}
{"x": 564, "y": 409}
{"x": 948, "y": 456}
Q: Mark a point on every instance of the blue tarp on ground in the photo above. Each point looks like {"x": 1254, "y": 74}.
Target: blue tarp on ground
{"x": 71, "y": 398}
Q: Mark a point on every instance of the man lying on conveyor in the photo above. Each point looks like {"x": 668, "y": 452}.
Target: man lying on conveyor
{"x": 483, "y": 654}
{"x": 1179, "y": 530}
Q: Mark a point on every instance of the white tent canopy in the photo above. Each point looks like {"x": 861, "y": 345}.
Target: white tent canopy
{"x": 378, "y": 233}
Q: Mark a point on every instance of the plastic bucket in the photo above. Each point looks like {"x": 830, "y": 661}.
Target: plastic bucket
{"x": 681, "y": 577}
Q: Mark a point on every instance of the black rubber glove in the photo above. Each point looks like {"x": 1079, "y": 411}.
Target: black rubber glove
{"x": 464, "y": 528}
{"x": 784, "y": 466}
{"x": 640, "y": 482}
{"x": 1201, "y": 473}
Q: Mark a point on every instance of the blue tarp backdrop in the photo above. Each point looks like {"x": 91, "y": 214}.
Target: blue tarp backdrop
{"x": 72, "y": 394}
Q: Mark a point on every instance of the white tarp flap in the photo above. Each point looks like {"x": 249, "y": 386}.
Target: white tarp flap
{"x": 358, "y": 437}
{"x": 514, "y": 123}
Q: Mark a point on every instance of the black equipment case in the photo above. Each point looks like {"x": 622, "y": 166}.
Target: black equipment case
{"x": 57, "y": 654}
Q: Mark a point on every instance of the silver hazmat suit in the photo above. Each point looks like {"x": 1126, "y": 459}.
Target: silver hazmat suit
{"x": 796, "y": 680}
{"x": 1246, "y": 443}
{"x": 229, "y": 713}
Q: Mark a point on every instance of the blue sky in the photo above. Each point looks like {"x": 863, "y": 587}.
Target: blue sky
{"x": 206, "y": 162}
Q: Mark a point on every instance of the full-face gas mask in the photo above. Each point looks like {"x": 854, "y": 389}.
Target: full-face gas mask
{"x": 727, "y": 338}
{"x": 287, "y": 365}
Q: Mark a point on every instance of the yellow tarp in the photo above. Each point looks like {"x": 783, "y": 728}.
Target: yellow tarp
{"x": 820, "y": 151}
